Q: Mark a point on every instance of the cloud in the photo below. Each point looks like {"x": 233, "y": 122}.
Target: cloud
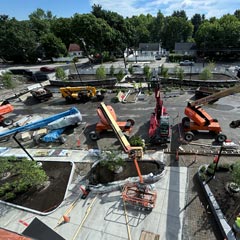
{"x": 128, "y": 8}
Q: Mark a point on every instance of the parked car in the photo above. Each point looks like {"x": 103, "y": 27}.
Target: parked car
{"x": 158, "y": 57}
{"x": 40, "y": 76}
{"x": 47, "y": 69}
{"x": 19, "y": 71}
{"x": 186, "y": 63}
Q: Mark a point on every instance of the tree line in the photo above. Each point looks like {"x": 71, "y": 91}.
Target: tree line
{"x": 45, "y": 36}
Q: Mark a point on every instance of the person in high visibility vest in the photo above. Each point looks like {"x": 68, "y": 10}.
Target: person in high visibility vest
{"x": 236, "y": 225}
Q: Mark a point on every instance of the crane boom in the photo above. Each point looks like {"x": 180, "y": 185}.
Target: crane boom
{"x": 138, "y": 194}
{"x": 215, "y": 96}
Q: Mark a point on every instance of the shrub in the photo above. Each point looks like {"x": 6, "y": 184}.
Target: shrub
{"x": 112, "y": 70}
{"x": 236, "y": 173}
{"x": 60, "y": 74}
{"x": 120, "y": 75}
{"x": 206, "y": 74}
{"x": 7, "y": 80}
{"x": 101, "y": 72}
{"x": 112, "y": 161}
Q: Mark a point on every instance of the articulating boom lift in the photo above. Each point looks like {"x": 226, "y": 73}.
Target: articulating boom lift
{"x": 139, "y": 194}
{"x": 198, "y": 119}
{"x": 159, "y": 130}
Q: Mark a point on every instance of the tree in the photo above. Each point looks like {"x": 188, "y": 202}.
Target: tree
{"x": 53, "y": 46}
{"x": 157, "y": 27}
{"x": 236, "y": 173}
{"x": 60, "y": 74}
{"x": 7, "y": 80}
{"x": 101, "y": 72}
{"x": 177, "y": 29}
{"x": 147, "y": 72}
{"x": 112, "y": 70}
{"x": 17, "y": 42}
{"x": 197, "y": 20}
{"x": 181, "y": 14}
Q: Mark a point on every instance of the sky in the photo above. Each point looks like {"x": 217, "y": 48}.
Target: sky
{"x": 20, "y": 9}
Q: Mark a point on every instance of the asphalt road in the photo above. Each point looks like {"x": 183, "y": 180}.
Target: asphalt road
{"x": 225, "y": 110}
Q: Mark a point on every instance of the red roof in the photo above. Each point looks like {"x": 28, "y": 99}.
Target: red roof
{"x": 73, "y": 47}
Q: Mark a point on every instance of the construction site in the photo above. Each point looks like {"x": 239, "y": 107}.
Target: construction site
{"x": 121, "y": 163}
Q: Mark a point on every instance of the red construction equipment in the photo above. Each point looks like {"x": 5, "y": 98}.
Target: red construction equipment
{"x": 159, "y": 130}
{"x": 138, "y": 194}
{"x": 5, "y": 108}
{"x": 103, "y": 124}
{"x": 199, "y": 120}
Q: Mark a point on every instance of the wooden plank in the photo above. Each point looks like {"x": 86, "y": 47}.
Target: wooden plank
{"x": 149, "y": 236}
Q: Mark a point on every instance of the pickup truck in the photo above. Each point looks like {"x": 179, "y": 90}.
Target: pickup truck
{"x": 186, "y": 63}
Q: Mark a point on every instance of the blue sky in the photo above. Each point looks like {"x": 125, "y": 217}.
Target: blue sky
{"x": 20, "y": 9}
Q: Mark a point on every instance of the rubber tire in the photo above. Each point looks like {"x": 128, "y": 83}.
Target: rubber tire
{"x": 189, "y": 136}
{"x": 93, "y": 136}
{"x": 235, "y": 124}
{"x": 186, "y": 122}
{"x": 62, "y": 140}
{"x": 131, "y": 121}
{"x": 221, "y": 138}
{"x": 7, "y": 122}
{"x": 69, "y": 99}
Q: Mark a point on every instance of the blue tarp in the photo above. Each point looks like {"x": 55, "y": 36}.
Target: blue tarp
{"x": 53, "y": 135}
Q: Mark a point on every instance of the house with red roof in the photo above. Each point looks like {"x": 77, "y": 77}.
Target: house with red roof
{"x": 74, "y": 50}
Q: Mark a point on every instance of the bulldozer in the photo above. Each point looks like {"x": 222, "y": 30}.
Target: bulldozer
{"x": 197, "y": 119}
{"x": 81, "y": 94}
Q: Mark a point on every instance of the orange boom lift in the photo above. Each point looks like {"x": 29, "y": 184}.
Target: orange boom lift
{"x": 199, "y": 120}
{"x": 139, "y": 193}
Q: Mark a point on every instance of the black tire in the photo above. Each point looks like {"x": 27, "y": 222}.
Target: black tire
{"x": 221, "y": 138}
{"x": 131, "y": 121}
{"x": 189, "y": 136}
{"x": 62, "y": 140}
{"x": 235, "y": 124}
{"x": 7, "y": 122}
{"x": 69, "y": 99}
{"x": 93, "y": 136}
{"x": 185, "y": 122}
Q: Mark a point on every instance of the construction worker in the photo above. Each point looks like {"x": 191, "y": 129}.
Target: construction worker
{"x": 236, "y": 226}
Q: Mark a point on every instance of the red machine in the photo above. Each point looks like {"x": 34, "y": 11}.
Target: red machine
{"x": 5, "y": 108}
{"x": 138, "y": 194}
{"x": 199, "y": 120}
{"x": 159, "y": 130}
{"x": 103, "y": 124}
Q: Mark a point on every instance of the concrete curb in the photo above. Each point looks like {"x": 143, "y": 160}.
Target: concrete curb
{"x": 226, "y": 230}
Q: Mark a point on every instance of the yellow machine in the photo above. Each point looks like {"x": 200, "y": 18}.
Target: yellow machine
{"x": 82, "y": 94}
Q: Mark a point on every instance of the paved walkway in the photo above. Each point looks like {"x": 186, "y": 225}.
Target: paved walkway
{"x": 105, "y": 217}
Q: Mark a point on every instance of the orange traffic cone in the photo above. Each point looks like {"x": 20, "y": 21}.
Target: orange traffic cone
{"x": 66, "y": 219}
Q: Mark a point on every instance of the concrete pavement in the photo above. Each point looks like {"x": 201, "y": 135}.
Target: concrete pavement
{"x": 105, "y": 218}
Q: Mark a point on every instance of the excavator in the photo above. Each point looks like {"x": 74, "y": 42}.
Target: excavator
{"x": 5, "y": 108}
{"x": 138, "y": 194}
{"x": 199, "y": 120}
{"x": 81, "y": 94}
{"x": 103, "y": 124}
{"x": 159, "y": 130}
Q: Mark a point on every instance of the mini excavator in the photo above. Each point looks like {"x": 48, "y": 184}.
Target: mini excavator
{"x": 137, "y": 194}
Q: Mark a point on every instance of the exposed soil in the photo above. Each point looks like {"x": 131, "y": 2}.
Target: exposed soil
{"x": 50, "y": 197}
{"x": 228, "y": 201}
{"x": 102, "y": 175}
